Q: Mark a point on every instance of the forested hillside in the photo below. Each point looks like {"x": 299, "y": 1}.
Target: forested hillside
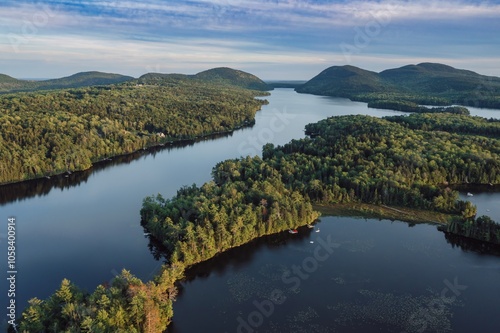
{"x": 222, "y": 76}
{"x": 47, "y": 133}
{"x": 78, "y": 80}
{"x": 425, "y": 83}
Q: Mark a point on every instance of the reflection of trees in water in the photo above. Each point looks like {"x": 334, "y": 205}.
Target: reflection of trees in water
{"x": 472, "y": 245}
{"x": 42, "y": 186}
{"x": 232, "y": 258}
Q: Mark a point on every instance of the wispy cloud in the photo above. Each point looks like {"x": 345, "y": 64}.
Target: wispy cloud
{"x": 237, "y": 15}
{"x": 198, "y": 33}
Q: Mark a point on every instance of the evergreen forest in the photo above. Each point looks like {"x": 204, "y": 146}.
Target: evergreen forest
{"x": 48, "y": 133}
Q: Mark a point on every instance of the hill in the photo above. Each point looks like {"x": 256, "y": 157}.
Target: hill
{"x": 344, "y": 81}
{"x": 425, "y": 83}
{"x": 222, "y": 76}
{"x": 85, "y": 79}
{"x": 79, "y": 80}
{"x": 7, "y": 79}
{"x": 233, "y": 77}
{"x": 8, "y": 83}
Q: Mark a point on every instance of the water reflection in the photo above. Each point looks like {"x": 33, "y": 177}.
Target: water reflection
{"x": 381, "y": 276}
{"x": 233, "y": 258}
{"x": 43, "y": 186}
{"x": 472, "y": 245}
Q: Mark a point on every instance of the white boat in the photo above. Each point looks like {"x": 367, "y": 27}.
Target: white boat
{"x": 310, "y": 226}
{"x": 317, "y": 230}
{"x": 470, "y": 194}
{"x": 294, "y": 231}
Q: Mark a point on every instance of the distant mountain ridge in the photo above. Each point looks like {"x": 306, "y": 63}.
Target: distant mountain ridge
{"x": 78, "y": 80}
{"x": 225, "y": 75}
{"x": 220, "y": 75}
{"x": 422, "y": 83}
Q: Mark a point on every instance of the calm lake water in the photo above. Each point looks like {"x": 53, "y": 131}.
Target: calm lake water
{"x": 86, "y": 228}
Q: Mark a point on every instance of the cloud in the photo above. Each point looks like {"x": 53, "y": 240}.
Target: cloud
{"x": 140, "y": 57}
{"x": 177, "y": 35}
{"x": 242, "y": 15}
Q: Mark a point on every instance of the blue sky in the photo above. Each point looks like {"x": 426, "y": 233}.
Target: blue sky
{"x": 274, "y": 39}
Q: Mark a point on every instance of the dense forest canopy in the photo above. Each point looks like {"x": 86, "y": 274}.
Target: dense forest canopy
{"x": 125, "y": 305}
{"x": 45, "y": 133}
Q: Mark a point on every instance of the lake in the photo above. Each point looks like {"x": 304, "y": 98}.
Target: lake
{"x": 86, "y": 227}
{"x": 372, "y": 276}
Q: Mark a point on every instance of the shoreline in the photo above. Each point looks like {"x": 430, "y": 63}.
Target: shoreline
{"x": 165, "y": 144}
{"x": 403, "y": 214}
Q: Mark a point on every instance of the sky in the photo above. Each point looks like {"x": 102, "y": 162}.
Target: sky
{"x": 273, "y": 39}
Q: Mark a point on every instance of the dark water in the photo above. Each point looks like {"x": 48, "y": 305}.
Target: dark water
{"x": 357, "y": 276}
{"x": 86, "y": 227}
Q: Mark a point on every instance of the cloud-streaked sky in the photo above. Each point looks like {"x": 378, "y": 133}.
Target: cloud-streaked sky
{"x": 274, "y": 39}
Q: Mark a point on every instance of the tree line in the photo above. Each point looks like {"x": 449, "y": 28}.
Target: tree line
{"x": 126, "y": 305}
{"x": 47, "y": 133}
{"x": 407, "y": 106}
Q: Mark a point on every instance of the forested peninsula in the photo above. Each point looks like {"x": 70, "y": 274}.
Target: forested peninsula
{"x": 398, "y": 161}
{"x": 53, "y": 132}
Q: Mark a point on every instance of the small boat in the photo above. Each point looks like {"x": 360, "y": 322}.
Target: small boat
{"x": 310, "y": 226}
{"x": 294, "y": 231}
{"x": 470, "y": 194}
{"x": 47, "y": 177}
{"x": 147, "y": 234}
{"x": 317, "y": 230}
{"x": 312, "y": 242}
